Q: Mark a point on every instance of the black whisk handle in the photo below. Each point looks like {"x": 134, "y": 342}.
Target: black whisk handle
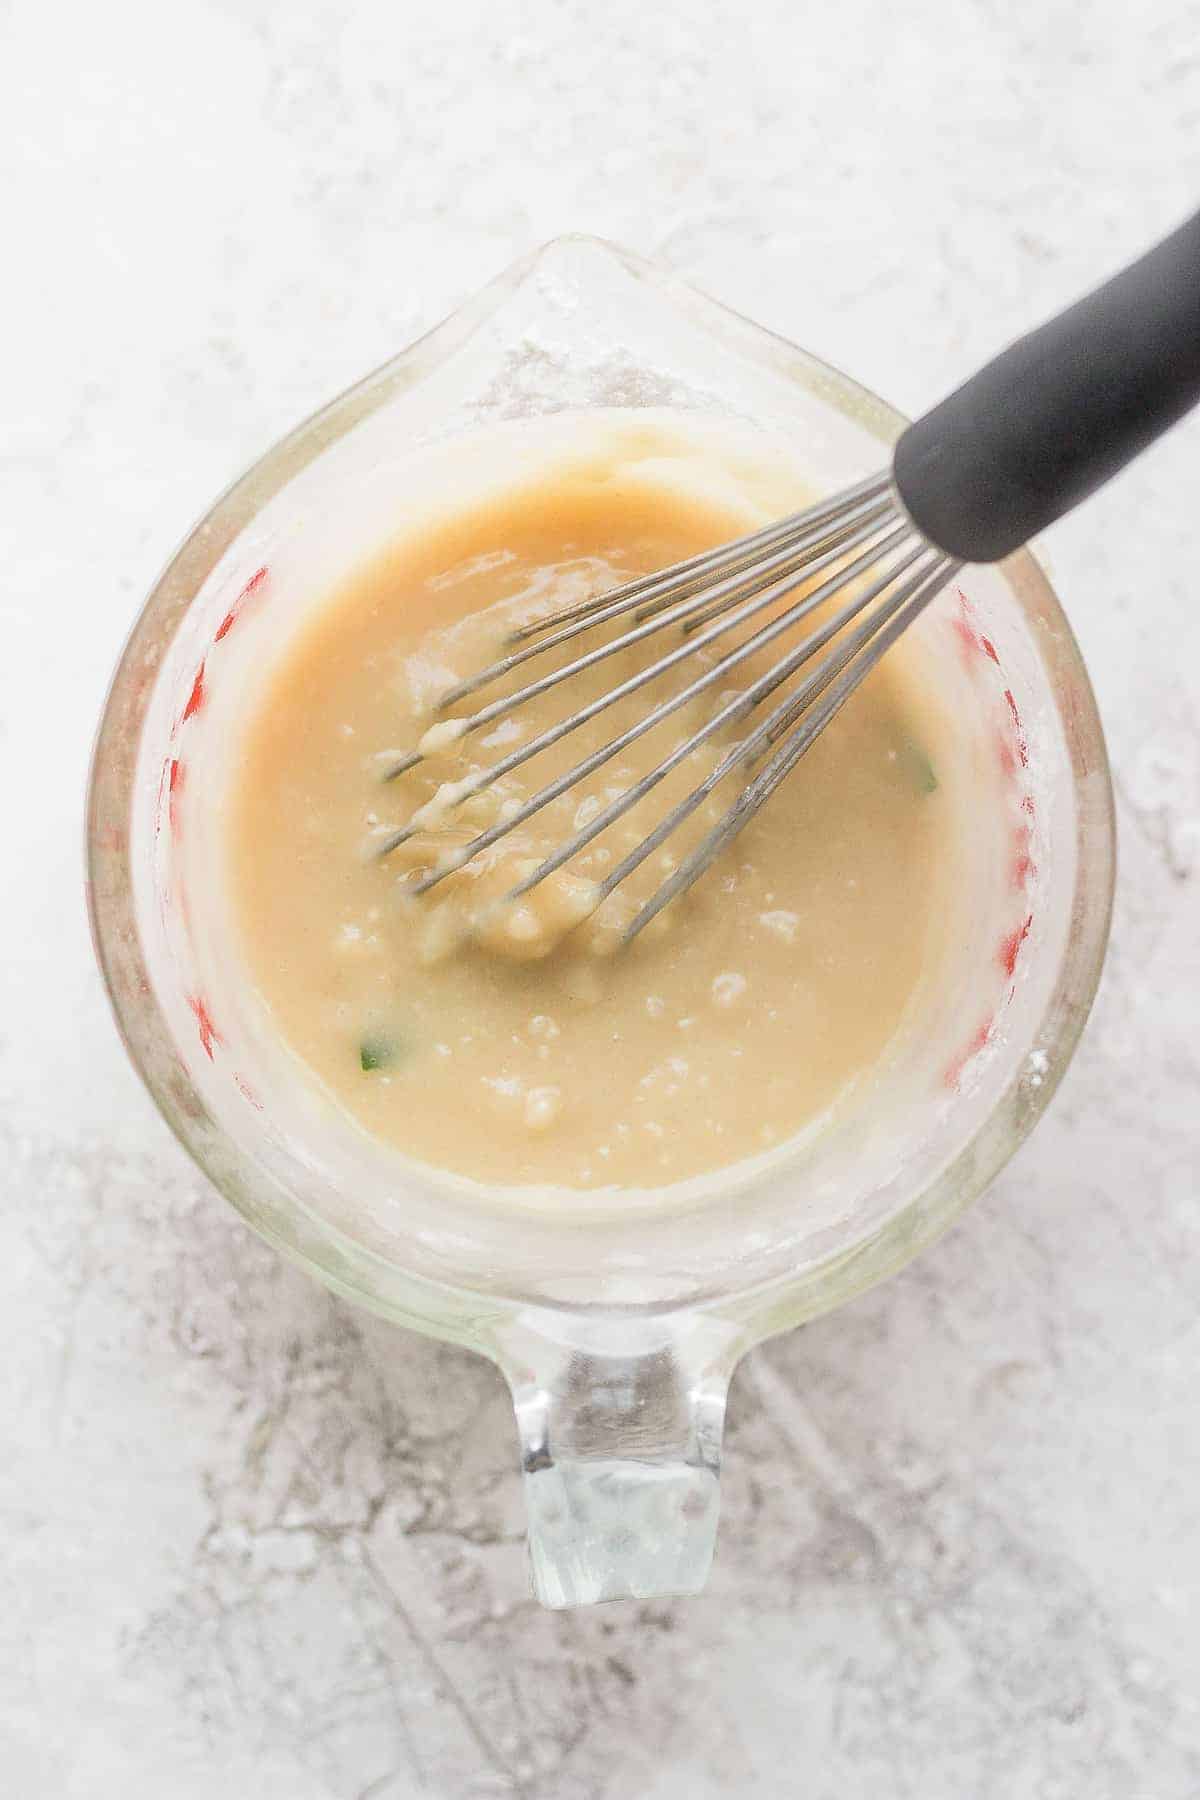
{"x": 1060, "y": 411}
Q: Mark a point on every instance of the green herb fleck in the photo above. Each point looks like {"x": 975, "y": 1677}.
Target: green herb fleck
{"x": 919, "y": 767}
{"x": 376, "y": 1052}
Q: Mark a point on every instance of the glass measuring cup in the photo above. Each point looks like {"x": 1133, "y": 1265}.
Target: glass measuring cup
{"x": 618, "y": 1327}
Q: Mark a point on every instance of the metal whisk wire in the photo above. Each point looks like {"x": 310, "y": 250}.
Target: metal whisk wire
{"x": 843, "y": 673}
{"x": 683, "y": 594}
{"x": 876, "y": 561}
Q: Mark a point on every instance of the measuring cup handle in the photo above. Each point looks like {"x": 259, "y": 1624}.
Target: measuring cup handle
{"x": 621, "y": 1452}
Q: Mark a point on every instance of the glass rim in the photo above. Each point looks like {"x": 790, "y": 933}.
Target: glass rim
{"x": 797, "y": 1294}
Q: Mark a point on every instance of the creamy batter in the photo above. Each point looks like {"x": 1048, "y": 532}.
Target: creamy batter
{"x": 525, "y": 1044}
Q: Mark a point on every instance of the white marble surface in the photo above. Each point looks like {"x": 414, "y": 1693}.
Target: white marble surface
{"x": 256, "y": 1544}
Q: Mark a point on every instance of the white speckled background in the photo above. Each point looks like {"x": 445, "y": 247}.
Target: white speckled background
{"x": 254, "y": 1544}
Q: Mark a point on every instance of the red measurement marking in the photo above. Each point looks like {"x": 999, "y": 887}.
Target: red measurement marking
{"x": 231, "y": 617}
{"x": 1022, "y": 746}
{"x": 1027, "y": 805}
{"x": 977, "y": 1043}
{"x": 247, "y": 1092}
{"x": 174, "y": 789}
{"x": 209, "y": 1035}
{"x": 1022, "y": 863}
{"x": 971, "y": 639}
{"x": 1010, "y": 947}
{"x": 195, "y": 699}
{"x": 968, "y": 640}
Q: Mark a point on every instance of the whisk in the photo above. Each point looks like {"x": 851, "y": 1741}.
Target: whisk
{"x": 1017, "y": 446}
